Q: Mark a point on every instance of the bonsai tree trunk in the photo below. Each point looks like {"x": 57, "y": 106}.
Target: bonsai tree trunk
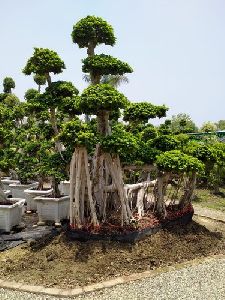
{"x": 100, "y": 171}
{"x": 159, "y": 191}
{"x": 188, "y": 190}
{"x": 79, "y": 183}
{"x": 55, "y": 186}
{"x": 58, "y": 146}
{"x": 103, "y": 123}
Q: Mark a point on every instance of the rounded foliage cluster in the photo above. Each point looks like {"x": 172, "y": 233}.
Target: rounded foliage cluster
{"x": 30, "y": 95}
{"x": 165, "y": 143}
{"x": 101, "y": 97}
{"x": 120, "y": 142}
{"x": 8, "y": 84}
{"x": 143, "y": 111}
{"x": 149, "y": 132}
{"x": 56, "y": 93}
{"x": 44, "y": 61}
{"x": 40, "y": 79}
{"x": 93, "y": 30}
{"x": 178, "y": 162}
{"x": 203, "y": 152}
{"x": 146, "y": 153}
{"x": 104, "y": 65}
{"x": 62, "y": 89}
{"x": 78, "y": 134}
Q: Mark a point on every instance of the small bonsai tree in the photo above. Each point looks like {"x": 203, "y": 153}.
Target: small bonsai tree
{"x": 170, "y": 164}
{"x": 44, "y": 62}
{"x": 8, "y": 85}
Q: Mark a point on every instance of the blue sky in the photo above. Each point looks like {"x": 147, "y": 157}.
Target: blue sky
{"x": 176, "y": 47}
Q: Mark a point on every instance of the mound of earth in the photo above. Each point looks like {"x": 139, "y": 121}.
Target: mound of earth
{"x": 69, "y": 264}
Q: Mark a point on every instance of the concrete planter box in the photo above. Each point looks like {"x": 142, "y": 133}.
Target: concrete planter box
{"x": 7, "y": 192}
{"x": 64, "y": 187}
{"x": 10, "y": 215}
{"x": 52, "y": 209}
{"x": 18, "y": 189}
{"x": 6, "y": 181}
{"x": 32, "y": 193}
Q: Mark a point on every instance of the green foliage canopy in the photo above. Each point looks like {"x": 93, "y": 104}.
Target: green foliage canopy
{"x": 56, "y": 93}
{"x": 101, "y": 97}
{"x": 120, "y": 142}
{"x": 177, "y": 162}
{"x": 40, "y": 79}
{"x": 105, "y": 65}
{"x": 165, "y": 143}
{"x": 8, "y": 84}
{"x": 44, "y": 61}
{"x": 143, "y": 111}
{"x": 93, "y": 30}
{"x": 76, "y": 133}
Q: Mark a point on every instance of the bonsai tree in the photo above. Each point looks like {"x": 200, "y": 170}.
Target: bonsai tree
{"x": 104, "y": 101}
{"x": 8, "y": 85}
{"x": 170, "y": 164}
{"x": 44, "y": 62}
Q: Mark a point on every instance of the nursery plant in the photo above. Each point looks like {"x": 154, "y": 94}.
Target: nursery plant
{"x": 57, "y": 95}
{"x": 103, "y": 181}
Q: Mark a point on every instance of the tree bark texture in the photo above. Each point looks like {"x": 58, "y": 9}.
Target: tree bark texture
{"x": 188, "y": 190}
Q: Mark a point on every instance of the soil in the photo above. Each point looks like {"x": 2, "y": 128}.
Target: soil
{"x": 6, "y": 203}
{"x": 64, "y": 263}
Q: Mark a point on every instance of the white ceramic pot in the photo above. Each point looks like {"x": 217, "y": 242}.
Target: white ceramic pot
{"x": 64, "y": 187}
{"x": 10, "y": 215}
{"x": 31, "y": 193}
{"x": 18, "y": 189}
{"x": 52, "y": 209}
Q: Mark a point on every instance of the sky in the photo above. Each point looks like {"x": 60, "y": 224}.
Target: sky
{"x": 176, "y": 48}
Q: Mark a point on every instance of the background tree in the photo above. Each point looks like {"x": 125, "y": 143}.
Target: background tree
{"x": 220, "y": 125}
{"x": 182, "y": 123}
{"x": 208, "y": 127}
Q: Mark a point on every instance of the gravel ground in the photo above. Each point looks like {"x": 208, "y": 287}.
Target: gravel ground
{"x": 208, "y": 212}
{"x": 205, "y": 281}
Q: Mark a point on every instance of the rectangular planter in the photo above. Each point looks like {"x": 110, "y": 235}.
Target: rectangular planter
{"x": 10, "y": 215}
{"x": 64, "y": 187}
{"x": 32, "y": 193}
{"x": 18, "y": 189}
{"x": 52, "y": 209}
{"x": 6, "y": 181}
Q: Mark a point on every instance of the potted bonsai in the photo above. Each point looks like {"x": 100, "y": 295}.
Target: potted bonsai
{"x": 44, "y": 62}
{"x": 10, "y": 211}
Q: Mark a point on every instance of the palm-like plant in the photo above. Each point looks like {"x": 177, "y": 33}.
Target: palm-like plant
{"x": 114, "y": 80}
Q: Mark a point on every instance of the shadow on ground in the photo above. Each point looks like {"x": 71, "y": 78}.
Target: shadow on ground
{"x": 65, "y": 263}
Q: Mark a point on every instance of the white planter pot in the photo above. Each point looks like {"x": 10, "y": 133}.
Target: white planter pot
{"x": 10, "y": 215}
{"x": 52, "y": 209}
{"x": 64, "y": 187}
{"x": 18, "y": 189}
{"x": 7, "y": 192}
{"x": 6, "y": 181}
{"x": 31, "y": 193}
